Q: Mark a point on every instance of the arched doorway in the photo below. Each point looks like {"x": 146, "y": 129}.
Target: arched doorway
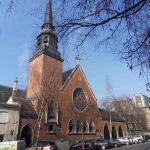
{"x": 106, "y": 132}
{"x": 114, "y": 134}
{"x": 26, "y": 134}
{"x": 120, "y": 132}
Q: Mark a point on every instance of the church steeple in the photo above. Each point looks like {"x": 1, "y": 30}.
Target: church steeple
{"x": 48, "y": 14}
{"x": 46, "y": 61}
{"x": 48, "y": 20}
{"x": 47, "y": 39}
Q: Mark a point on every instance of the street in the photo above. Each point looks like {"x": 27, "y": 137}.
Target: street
{"x": 142, "y": 146}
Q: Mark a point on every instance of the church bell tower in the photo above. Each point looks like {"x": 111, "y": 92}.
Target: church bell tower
{"x": 45, "y": 65}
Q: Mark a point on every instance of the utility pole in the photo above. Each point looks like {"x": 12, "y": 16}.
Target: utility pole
{"x": 110, "y": 124}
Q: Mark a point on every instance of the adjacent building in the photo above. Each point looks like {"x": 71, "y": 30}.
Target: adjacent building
{"x": 136, "y": 111}
{"x": 143, "y": 102}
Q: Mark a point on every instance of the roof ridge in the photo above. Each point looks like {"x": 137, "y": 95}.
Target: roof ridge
{"x": 69, "y": 69}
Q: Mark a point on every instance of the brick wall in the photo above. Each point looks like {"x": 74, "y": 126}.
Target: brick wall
{"x": 51, "y": 69}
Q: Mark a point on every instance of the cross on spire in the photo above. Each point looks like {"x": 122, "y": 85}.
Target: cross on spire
{"x": 78, "y": 59}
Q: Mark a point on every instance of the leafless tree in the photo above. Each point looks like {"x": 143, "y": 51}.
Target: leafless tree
{"x": 124, "y": 22}
{"x": 134, "y": 115}
{"x": 44, "y": 90}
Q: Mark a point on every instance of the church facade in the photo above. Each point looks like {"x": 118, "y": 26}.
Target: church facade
{"x": 61, "y": 106}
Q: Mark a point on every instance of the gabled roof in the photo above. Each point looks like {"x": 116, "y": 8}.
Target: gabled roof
{"x": 27, "y": 110}
{"x": 66, "y": 75}
{"x": 5, "y": 93}
{"x": 114, "y": 116}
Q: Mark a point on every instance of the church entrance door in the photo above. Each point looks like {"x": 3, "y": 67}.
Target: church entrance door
{"x": 26, "y": 134}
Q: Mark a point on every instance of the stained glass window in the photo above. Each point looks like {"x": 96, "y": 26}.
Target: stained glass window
{"x": 79, "y": 99}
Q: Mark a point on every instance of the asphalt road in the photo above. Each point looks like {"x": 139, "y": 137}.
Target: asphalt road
{"x": 142, "y": 146}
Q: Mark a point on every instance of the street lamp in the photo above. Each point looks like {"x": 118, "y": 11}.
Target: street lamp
{"x": 110, "y": 118}
{"x": 110, "y": 124}
{"x": 82, "y": 128}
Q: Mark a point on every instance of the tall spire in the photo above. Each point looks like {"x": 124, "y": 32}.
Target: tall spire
{"x": 48, "y": 13}
{"x": 47, "y": 38}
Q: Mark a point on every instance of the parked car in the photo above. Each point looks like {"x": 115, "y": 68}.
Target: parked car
{"x": 45, "y": 145}
{"x": 124, "y": 141}
{"x": 101, "y": 144}
{"x": 147, "y": 138}
{"x": 135, "y": 140}
{"x": 115, "y": 143}
{"x": 140, "y": 138}
{"x": 86, "y": 144}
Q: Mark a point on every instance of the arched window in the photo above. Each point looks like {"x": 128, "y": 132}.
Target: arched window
{"x": 52, "y": 111}
{"x": 39, "y": 42}
{"x": 4, "y": 117}
{"x": 85, "y": 127}
{"x": 114, "y": 134}
{"x": 52, "y": 115}
{"x": 45, "y": 39}
{"x": 120, "y": 132}
{"x": 78, "y": 127}
{"x": 72, "y": 126}
{"x": 92, "y": 127}
{"x": 106, "y": 132}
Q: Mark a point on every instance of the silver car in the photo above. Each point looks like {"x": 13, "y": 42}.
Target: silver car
{"x": 124, "y": 140}
{"x": 139, "y": 138}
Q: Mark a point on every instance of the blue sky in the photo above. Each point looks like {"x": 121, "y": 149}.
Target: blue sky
{"x": 17, "y": 38}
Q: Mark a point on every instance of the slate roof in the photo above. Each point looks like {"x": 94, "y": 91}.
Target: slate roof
{"x": 66, "y": 74}
{"x": 5, "y": 93}
{"x": 114, "y": 116}
{"x": 10, "y": 107}
{"x": 27, "y": 110}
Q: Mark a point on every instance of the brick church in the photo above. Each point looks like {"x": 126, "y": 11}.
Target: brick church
{"x": 60, "y": 104}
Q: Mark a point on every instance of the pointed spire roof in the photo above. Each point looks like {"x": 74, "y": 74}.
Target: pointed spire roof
{"x": 47, "y": 38}
{"x": 48, "y": 14}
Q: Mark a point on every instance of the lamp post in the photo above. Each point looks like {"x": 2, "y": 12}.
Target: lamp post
{"x": 125, "y": 116}
{"x": 110, "y": 124}
{"x": 82, "y": 137}
{"x": 110, "y": 120}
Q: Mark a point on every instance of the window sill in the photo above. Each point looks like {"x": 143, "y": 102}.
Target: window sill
{"x": 51, "y": 132}
{"x": 81, "y": 133}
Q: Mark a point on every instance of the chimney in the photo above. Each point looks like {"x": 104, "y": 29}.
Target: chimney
{"x": 15, "y": 88}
